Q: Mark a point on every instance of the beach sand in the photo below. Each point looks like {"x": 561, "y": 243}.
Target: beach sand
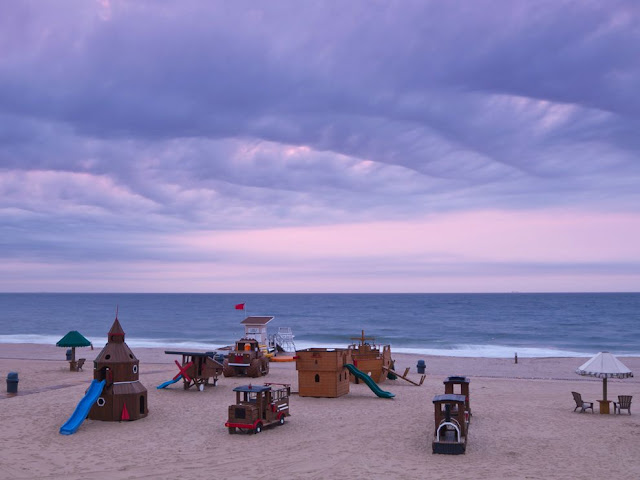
{"x": 523, "y": 425}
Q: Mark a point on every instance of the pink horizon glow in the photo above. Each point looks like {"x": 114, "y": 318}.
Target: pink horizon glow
{"x": 435, "y": 254}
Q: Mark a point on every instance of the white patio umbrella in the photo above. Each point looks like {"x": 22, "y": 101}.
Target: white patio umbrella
{"x": 604, "y": 365}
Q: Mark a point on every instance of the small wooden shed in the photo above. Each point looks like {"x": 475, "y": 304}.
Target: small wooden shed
{"x": 123, "y": 396}
{"x": 322, "y": 372}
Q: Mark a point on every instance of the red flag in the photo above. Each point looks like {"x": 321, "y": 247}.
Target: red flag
{"x": 240, "y": 306}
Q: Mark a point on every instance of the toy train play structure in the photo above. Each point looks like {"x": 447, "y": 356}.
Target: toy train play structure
{"x": 258, "y": 406}
{"x": 452, "y": 417}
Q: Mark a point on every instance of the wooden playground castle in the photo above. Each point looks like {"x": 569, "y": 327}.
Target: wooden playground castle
{"x": 123, "y": 396}
{"x": 322, "y": 372}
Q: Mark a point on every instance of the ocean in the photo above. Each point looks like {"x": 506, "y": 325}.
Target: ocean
{"x": 473, "y": 325}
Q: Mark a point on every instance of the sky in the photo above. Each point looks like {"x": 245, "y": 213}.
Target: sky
{"x": 302, "y": 146}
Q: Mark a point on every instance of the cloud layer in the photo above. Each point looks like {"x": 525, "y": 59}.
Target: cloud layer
{"x": 140, "y": 135}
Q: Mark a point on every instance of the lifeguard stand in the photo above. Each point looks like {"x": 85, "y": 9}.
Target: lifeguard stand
{"x": 450, "y": 387}
{"x": 322, "y": 372}
{"x": 256, "y": 327}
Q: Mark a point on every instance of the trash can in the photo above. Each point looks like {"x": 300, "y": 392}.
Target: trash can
{"x": 421, "y": 366}
{"x": 69, "y": 354}
{"x": 12, "y": 382}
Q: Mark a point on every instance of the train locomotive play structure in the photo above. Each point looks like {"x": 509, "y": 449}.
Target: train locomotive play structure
{"x": 452, "y": 417}
{"x": 258, "y": 406}
{"x": 247, "y": 358}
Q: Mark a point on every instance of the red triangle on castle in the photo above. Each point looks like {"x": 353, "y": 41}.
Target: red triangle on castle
{"x": 125, "y": 412}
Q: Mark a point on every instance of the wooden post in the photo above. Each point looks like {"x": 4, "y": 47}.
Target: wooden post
{"x": 516, "y": 358}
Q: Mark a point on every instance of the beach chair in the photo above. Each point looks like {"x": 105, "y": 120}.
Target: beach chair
{"x": 80, "y": 364}
{"x": 583, "y": 406}
{"x": 623, "y": 403}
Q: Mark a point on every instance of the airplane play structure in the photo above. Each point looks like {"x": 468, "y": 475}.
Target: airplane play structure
{"x": 197, "y": 369}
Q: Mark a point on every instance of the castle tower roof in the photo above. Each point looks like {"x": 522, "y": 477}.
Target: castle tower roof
{"x": 116, "y": 334}
{"x": 117, "y": 352}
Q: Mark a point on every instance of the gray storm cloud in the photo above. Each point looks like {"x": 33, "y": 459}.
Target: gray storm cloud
{"x": 156, "y": 117}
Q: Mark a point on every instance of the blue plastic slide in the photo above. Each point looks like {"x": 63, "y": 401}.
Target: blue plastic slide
{"x": 169, "y": 382}
{"x": 82, "y": 410}
{"x": 369, "y": 381}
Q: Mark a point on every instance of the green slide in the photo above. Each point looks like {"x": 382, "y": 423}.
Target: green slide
{"x": 367, "y": 379}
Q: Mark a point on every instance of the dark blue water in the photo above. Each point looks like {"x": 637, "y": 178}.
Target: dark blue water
{"x": 488, "y": 325}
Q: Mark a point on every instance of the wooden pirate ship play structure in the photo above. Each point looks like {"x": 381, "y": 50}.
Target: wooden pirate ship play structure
{"x": 322, "y": 372}
{"x": 123, "y": 396}
{"x": 374, "y": 360}
{"x": 196, "y": 370}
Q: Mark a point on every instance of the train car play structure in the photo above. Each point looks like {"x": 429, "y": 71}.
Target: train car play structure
{"x": 258, "y": 406}
{"x": 197, "y": 369}
{"x": 461, "y": 384}
{"x": 115, "y": 394}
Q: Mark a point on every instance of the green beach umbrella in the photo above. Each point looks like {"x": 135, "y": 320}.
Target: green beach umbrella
{"x": 72, "y": 340}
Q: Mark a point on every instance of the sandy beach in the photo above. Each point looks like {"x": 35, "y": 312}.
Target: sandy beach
{"x": 523, "y": 425}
